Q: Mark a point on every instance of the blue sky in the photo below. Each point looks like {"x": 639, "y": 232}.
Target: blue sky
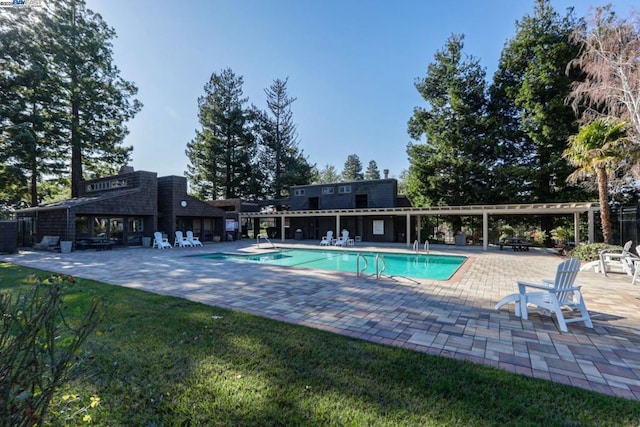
{"x": 351, "y": 64}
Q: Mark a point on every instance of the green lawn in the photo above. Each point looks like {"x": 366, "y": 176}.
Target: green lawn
{"x": 161, "y": 361}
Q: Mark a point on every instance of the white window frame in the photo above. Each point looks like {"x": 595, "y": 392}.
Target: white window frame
{"x": 343, "y": 189}
{"x": 328, "y": 190}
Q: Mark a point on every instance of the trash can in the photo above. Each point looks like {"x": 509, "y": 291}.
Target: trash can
{"x": 298, "y": 235}
{"x": 461, "y": 239}
{"x": 65, "y": 246}
{"x": 146, "y": 242}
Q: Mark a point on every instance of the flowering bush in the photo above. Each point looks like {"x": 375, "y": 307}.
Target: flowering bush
{"x": 39, "y": 345}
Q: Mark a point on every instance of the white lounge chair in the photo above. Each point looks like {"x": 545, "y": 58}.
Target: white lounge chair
{"x": 342, "y": 241}
{"x": 181, "y": 240}
{"x": 326, "y": 240}
{"x": 618, "y": 262}
{"x": 160, "y": 242}
{"x": 195, "y": 241}
{"x": 552, "y": 296}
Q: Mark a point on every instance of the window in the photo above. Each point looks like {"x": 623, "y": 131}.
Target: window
{"x": 298, "y": 192}
{"x": 327, "y": 190}
{"x": 344, "y": 189}
{"x": 82, "y": 225}
{"x": 106, "y": 185}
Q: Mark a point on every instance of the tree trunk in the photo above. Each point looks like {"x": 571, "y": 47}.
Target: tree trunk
{"x": 603, "y": 198}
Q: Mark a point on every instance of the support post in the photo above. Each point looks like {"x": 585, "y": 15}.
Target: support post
{"x": 485, "y": 231}
{"x": 408, "y": 231}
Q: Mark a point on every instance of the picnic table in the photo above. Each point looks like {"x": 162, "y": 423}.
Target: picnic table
{"x": 98, "y": 243}
{"x": 517, "y": 243}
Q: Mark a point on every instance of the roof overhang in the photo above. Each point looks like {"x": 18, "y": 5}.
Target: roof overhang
{"x": 511, "y": 209}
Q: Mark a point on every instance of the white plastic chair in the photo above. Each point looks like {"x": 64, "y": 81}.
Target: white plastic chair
{"x": 344, "y": 239}
{"x": 326, "y": 240}
{"x": 552, "y": 296}
{"x": 195, "y": 241}
{"x": 181, "y": 241}
{"x": 621, "y": 262}
{"x": 160, "y": 242}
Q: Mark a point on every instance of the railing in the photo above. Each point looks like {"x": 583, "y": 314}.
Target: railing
{"x": 366, "y": 264}
{"x": 380, "y": 260}
{"x": 416, "y": 246}
{"x": 264, "y": 237}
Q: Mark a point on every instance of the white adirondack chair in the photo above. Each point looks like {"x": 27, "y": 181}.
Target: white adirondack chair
{"x": 160, "y": 242}
{"x": 181, "y": 241}
{"x": 620, "y": 262}
{"x": 195, "y": 241}
{"x": 326, "y": 240}
{"x": 552, "y": 296}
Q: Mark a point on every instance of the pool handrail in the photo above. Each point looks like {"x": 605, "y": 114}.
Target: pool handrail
{"x": 380, "y": 259}
{"x": 265, "y": 237}
{"x": 366, "y": 264}
{"x": 416, "y": 246}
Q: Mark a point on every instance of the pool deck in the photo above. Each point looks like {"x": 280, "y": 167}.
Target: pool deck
{"x": 455, "y": 318}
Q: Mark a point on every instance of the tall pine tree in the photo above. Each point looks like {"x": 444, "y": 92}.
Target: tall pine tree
{"x": 529, "y": 95}
{"x": 282, "y": 161}
{"x": 452, "y": 167}
{"x": 222, "y": 152}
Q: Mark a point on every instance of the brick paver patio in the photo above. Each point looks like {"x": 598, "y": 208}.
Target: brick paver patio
{"x": 455, "y": 318}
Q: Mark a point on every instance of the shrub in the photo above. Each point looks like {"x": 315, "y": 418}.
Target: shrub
{"x": 561, "y": 234}
{"x": 39, "y": 347}
{"x": 538, "y": 237}
{"x": 590, "y": 252}
{"x": 507, "y": 231}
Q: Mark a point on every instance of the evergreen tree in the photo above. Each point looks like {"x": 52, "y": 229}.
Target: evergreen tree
{"x": 327, "y": 175}
{"x": 532, "y": 119}
{"x": 30, "y": 133}
{"x": 66, "y": 93}
{"x": 453, "y": 166}
{"x": 98, "y": 101}
{"x": 372, "y": 171}
{"x": 352, "y": 168}
{"x": 221, "y": 153}
{"x": 281, "y": 160}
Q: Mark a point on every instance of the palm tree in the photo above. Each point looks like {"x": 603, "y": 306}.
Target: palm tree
{"x": 598, "y": 148}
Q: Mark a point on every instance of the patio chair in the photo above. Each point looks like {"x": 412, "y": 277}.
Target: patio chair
{"x": 344, "y": 239}
{"x": 326, "y": 240}
{"x": 552, "y": 296}
{"x": 48, "y": 243}
{"x": 160, "y": 242}
{"x": 181, "y": 240}
{"x": 195, "y": 241}
{"x": 618, "y": 262}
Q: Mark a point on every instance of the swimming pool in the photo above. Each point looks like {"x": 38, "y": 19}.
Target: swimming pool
{"x": 417, "y": 266}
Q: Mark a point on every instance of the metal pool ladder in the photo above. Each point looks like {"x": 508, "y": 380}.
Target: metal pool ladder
{"x": 366, "y": 264}
{"x": 380, "y": 260}
{"x": 264, "y": 236}
{"x": 416, "y": 246}
{"x": 381, "y": 265}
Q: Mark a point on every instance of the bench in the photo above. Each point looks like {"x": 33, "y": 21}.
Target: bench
{"x": 48, "y": 243}
{"x": 518, "y": 245}
{"x": 99, "y": 243}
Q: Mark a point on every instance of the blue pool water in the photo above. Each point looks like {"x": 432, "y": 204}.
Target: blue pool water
{"x": 417, "y": 266}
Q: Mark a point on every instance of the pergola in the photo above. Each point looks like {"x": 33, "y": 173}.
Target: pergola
{"x": 575, "y": 208}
